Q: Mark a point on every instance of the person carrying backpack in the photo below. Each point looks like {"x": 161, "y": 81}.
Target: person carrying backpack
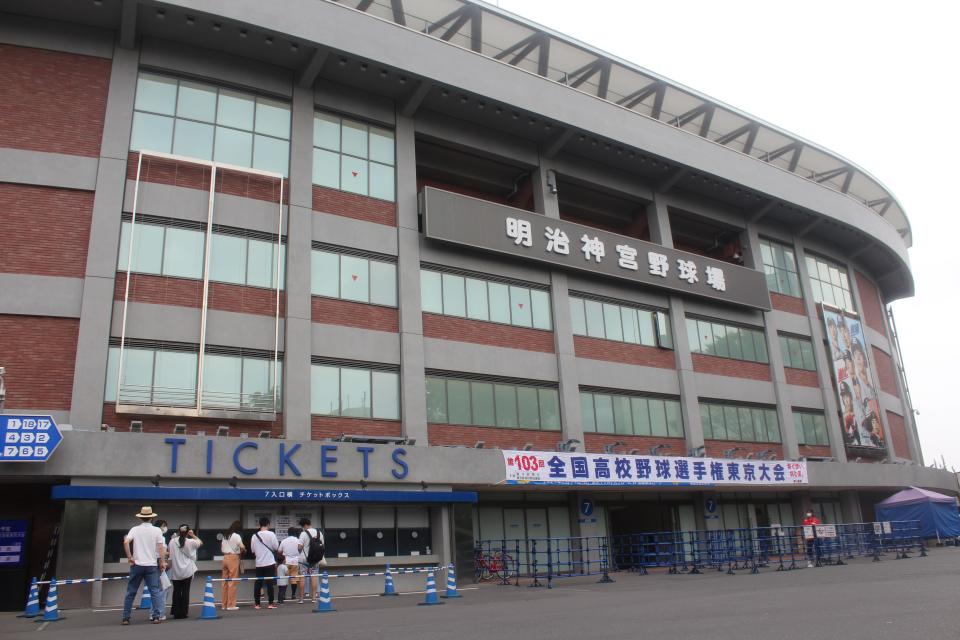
{"x": 311, "y": 555}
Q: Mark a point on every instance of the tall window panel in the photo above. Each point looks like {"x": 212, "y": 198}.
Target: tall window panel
{"x": 797, "y": 352}
{"x": 622, "y": 323}
{"x": 203, "y": 121}
{"x": 354, "y": 391}
{"x": 353, "y": 156}
{"x": 167, "y": 376}
{"x": 475, "y": 298}
{"x": 236, "y": 257}
{"x": 780, "y": 267}
{"x": 355, "y": 278}
{"x": 630, "y": 415}
{"x": 726, "y": 340}
{"x": 492, "y": 404}
{"x": 739, "y": 423}
{"x": 829, "y": 283}
{"x": 811, "y": 428}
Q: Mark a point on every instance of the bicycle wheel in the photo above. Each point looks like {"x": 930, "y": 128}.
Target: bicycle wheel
{"x": 481, "y": 566}
{"x": 503, "y": 568}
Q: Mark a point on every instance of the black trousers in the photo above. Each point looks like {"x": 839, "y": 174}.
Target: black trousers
{"x": 180, "y": 608}
{"x": 264, "y": 572}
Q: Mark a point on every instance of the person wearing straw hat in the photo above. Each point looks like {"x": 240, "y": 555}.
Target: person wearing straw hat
{"x": 144, "y": 549}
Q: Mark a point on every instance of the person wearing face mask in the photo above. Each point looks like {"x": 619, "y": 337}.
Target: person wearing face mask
{"x": 183, "y": 564}
{"x": 811, "y": 520}
{"x": 166, "y": 585}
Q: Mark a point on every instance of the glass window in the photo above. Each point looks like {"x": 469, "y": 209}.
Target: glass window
{"x": 733, "y": 342}
{"x": 233, "y": 147}
{"x": 499, "y": 302}
{"x": 528, "y": 408}
{"x": 594, "y": 313}
{"x": 646, "y": 323}
{"x": 355, "y": 392}
{"x": 732, "y": 419}
{"x": 325, "y": 390}
{"x": 618, "y": 322}
{"x": 326, "y": 169}
{"x": 586, "y": 412}
{"x": 720, "y": 344}
{"x": 658, "y": 417}
{"x": 256, "y": 389}
{"x": 193, "y": 139}
{"x": 674, "y": 419}
{"x": 382, "y": 180}
{"x": 705, "y": 422}
{"x": 719, "y": 426}
{"x": 549, "y": 409}
{"x": 113, "y": 360}
{"x": 156, "y": 94}
{"x": 663, "y": 330}
{"x": 353, "y": 175}
{"x": 196, "y": 101}
{"x": 326, "y": 131}
{"x": 797, "y": 353}
{"x": 151, "y": 132}
{"x": 482, "y": 404}
{"x": 175, "y": 378}
{"x": 271, "y": 154}
{"x": 454, "y": 296}
{"x": 353, "y": 156}
{"x": 325, "y": 274}
{"x": 260, "y": 263}
{"x": 578, "y": 319}
{"x": 612, "y": 324}
{"x": 829, "y": 282}
{"x": 505, "y": 398}
{"x": 603, "y": 405}
{"x": 622, "y": 421}
{"x": 631, "y": 326}
{"x": 458, "y": 402}
{"x": 780, "y": 268}
{"x": 221, "y": 380}
{"x": 477, "y": 307}
{"x": 381, "y": 145}
{"x": 540, "y": 308}
{"x": 273, "y": 118}
{"x": 235, "y": 109}
{"x": 147, "y": 248}
{"x": 183, "y": 253}
{"x": 431, "y": 295}
{"x": 354, "y": 138}
{"x": 726, "y": 341}
{"x": 738, "y": 423}
{"x": 747, "y": 430}
{"x": 354, "y": 278}
{"x": 436, "y": 400}
{"x": 386, "y": 395}
{"x": 520, "y": 307}
{"x": 383, "y": 283}
{"x": 137, "y": 379}
{"x": 641, "y": 416}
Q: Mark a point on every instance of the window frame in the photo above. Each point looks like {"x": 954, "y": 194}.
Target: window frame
{"x": 370, "y": 370}
{"x": 498, "y": 386}
{"x": 656, "y": 318}
{"x": 817, "y": 283}
{"x": 712, "y": 409}
{"x": 670, "y": 404}
{"x": 340, "y": 153}
{"x": 512, "y": 288}
{"x": 719, "y": 332}
{"x": 772, "y": 269}
{"x": 786, "y": 340}
{"x": 370, "y": 259}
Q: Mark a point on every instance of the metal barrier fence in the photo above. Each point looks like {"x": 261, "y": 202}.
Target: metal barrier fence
{"x": 509, "y": 559}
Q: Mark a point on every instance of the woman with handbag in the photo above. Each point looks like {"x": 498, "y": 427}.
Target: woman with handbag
{"x": 183, "y": 564}
{"x": 231, "y": 546}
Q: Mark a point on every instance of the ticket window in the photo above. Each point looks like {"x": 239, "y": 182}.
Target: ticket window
{"x": 341, "y": 532}
{"x": 213, "y": 523}
{"x": 379, "y": 532}
{"x": 413, "y": 531}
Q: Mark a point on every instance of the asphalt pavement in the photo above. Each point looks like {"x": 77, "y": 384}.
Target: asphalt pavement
{"x": 892, "y": 599}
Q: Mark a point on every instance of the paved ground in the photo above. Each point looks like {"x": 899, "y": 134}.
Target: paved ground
{"x": 892, "y": 599}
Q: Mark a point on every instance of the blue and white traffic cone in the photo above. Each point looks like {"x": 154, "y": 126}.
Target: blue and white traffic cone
{"x": 51, "y": 612}
{"x": 431, "y": 597}
{"x": 451, "y": 583}
{"x": 146, "y": 602}
{"x": 209, "y": 604}
{"x": 33, "y": 601}
{"x": 388, "y": 588}
{"x": 324, "y": 601}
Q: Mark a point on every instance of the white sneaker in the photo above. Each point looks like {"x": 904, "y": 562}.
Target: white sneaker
{"x": 300, "y": 601}
{"x": 809, "y": 565}
{"x": 233, "y": 608}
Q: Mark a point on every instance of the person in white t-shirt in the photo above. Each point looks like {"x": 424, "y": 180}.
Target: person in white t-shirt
{"x": 264, "y": 544}
{"x": 290, "y": 548}
{"x": 308, "y": 568}
{"x": 231, "y": 546}
{"x": 145, "y": 553}
{"x": 183, "y": 564}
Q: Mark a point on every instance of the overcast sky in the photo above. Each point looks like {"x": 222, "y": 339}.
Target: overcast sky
{"x": 877, "y": 82}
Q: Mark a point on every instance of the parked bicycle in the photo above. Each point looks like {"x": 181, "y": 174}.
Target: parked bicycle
{"x": 497, "y": 565}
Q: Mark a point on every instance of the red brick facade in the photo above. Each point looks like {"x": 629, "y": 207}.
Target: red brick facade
{"x": 801, "y": 377}
{"x": 594, "y": 443}
{"x": 351, "y": 205}
{"x": 52, "y": 101}
{"x": 886, "y": 372}
{"x": 354, "y": 314}
{"x": 612, "y": 351}
{"x": 489, "y": 333}
{"x": 197, "y": 176}
{"x": 898, "y": 434}
{"x": 873, "y": 312}
{"x": 45, "y": 230}
{"x": 39, "y": 354}
{"x": 183, "y": 292}
{"x": 322, "y": 427}
{"x": 817, "y": 451}
{"x": 493, "y": 437}
{"x": 789, "y": 304}
{"x": 730, "y": 367}
{"x": 165, "y": 424}
{"x": 715, "y": 448}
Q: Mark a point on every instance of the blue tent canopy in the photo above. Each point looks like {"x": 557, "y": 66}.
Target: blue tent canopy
{"x": 936, "y": 512}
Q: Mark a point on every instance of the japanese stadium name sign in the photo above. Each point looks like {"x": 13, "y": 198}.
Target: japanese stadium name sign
{"x": 563, "y": 468}
{"x": 479, "y": 224}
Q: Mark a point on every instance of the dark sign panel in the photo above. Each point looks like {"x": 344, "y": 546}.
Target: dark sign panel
{"x": 462, "y": 220}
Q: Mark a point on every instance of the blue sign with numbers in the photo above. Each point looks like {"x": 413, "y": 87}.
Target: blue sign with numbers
{"x": 28, "y": 438}
{"x": 13, "y": 542}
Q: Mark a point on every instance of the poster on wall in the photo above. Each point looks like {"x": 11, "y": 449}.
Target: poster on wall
{"x": 859, "y": 405}
{"x": 594, "y": 469}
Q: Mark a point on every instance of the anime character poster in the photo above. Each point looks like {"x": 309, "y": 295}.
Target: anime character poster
{"x": 859, "y": 404}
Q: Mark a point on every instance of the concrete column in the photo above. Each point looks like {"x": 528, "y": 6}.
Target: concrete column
{"x": 547, "y": 204}
{"x": 96, "y": 307}
{"x": 413, "y": 389}
{"x": 788, "y": 434}
{"x": 850, "y": 507}
{"x": 99, "y": 544}
{"x": 822, "y": 358}
{"x": 297, "y": 325}
{"x": 659, "y": 220}
{"x": 874, "y": 380}
{"x": 78, "y": 532}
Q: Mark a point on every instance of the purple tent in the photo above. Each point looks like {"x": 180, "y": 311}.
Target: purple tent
{"x": 936, "y": 512}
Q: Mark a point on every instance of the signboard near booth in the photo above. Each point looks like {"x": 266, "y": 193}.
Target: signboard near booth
{"x": 13, "y": 542}
{"x": 28, "y": 438}
{"x": 567, "y": 468}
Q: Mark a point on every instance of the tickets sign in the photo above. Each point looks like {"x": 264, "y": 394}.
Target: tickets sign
{"x": 571, "y": 468}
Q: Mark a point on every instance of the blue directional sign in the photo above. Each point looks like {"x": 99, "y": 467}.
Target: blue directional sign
{"x": 28, "y": 438}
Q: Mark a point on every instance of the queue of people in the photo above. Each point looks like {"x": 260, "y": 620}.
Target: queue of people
{"x": 163, "y": 565}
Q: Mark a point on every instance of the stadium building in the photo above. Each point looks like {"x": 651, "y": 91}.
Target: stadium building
{"x": 429, "y": 273}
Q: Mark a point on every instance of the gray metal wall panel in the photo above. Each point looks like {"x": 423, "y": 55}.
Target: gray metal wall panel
{"x": 723, "y": 312}
{"x": 48, "y": 169}
{"x": 791, "y": 323}
{"x": 352, "y": 343}
{"x": 717, "y": 387}
{"x": 803, "y": 397}
{"x": 32, "y": 295}
{"x": 483, "y": 262}
{"x": 351, "y": 102}
{"x": 486, "y": 360}
{"x": 356, "y": 234}
{"x": 629, "y": 377}
{"x": 875, "y": 338}
{"x": 27, "y": 31}
{"x": 476, "y": 140}
{"x": 617, "y": 291}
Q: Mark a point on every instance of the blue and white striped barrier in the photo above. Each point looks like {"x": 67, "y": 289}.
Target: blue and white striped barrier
{"x": 363, "y": 574}
{"x": 60, "y": 583}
